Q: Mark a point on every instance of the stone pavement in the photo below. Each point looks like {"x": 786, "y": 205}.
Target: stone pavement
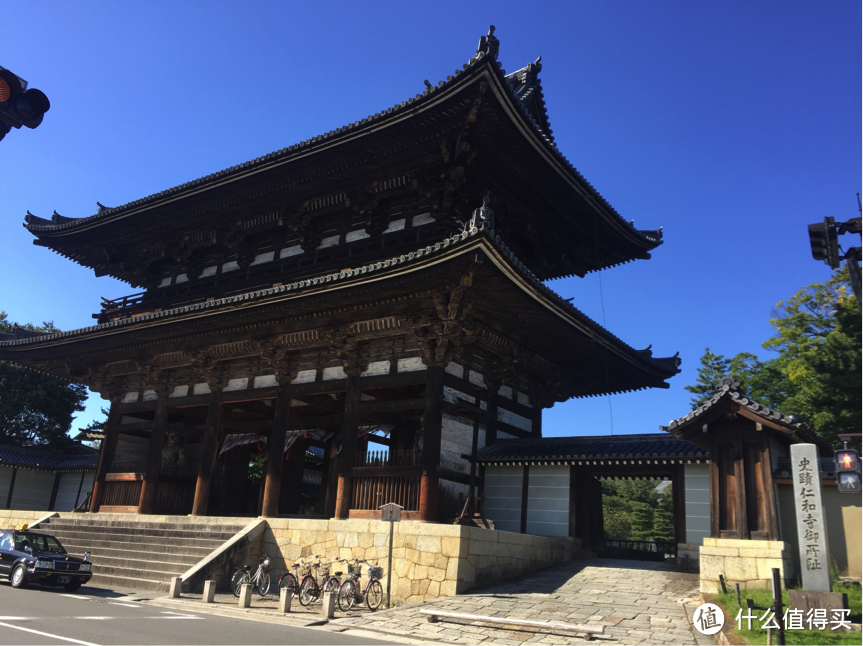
{"x": 637, "y": 602}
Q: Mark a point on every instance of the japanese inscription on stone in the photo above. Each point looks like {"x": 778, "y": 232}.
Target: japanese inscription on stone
{"x": 811, "y": 528}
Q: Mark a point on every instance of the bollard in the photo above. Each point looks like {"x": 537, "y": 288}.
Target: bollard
{"x": 285, "y": 596}
{"x": 246, "y": 595}
{"x": 209, "y": 591}
{"x": 176, "y": 584}
{"x": 328, "y": 609}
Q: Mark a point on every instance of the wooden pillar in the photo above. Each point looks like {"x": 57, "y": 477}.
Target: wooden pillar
{"x": 147, "y": 502}
{"x": 678, "y": 485}
{"x": 106, "y": 456}
{"x": 209, "y": 447}
{"x": 292, "y": 479}
{"x": 276, "y": 455}
{"x": 430, "y": 459}
{"x": 525, "y": 486}
{"x": 348, "y": 454}
{"x": 54, "y": 490}
{"x": 536, "y": 422}
{"x": 330, "y": 478}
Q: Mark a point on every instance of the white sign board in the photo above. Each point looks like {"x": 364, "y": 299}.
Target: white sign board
{"x": 391, "y": 513}
{"x": 811, "y": 528}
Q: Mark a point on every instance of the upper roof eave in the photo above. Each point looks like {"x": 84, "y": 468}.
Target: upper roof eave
{"x": 540, "y": 133}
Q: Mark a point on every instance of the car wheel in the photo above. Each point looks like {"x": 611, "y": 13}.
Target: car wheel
{"x": 19, "y": 577}
{"x": 72, "y": 587}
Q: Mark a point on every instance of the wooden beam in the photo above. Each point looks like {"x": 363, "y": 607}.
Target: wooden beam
{"x": 124, "y": 477}
{"x": 208, "y": 455}
{"x": 393, "y": 405}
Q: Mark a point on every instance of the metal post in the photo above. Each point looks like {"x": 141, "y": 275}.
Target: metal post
{"x": 777, "y": 607}
{"x": 390, "y": 565}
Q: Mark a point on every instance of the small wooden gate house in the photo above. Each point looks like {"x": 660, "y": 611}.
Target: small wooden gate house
{"x": 36, "y": 480}
{"x": 349, "y": 304}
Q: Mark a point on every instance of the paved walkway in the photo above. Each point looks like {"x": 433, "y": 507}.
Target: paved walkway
{"x": 637, "y": 602}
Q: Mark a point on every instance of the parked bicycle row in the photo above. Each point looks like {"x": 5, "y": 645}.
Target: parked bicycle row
{"x": 312, "y": 578}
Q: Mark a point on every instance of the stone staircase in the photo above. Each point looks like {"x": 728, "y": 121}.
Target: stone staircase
{"x": 129, "y": 552}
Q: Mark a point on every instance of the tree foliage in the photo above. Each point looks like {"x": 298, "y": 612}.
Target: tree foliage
{"x": 816, "y": 371}
{"x": 36, "y": 409}
{"x": 632, "y": 510}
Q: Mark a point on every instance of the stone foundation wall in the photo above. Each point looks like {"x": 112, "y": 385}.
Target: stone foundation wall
{"x": 746, "y": 562}
{"x": 429, "y": 560}
{"x": 14, "y": 518}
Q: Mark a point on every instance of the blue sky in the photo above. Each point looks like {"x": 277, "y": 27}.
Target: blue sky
{"x": 732, "y": 125}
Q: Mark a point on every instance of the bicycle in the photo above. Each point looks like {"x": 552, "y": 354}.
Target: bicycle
{"x": 261, "y": 578}
{"x": 350, "y": 592}
{"x": 311, "y": 590}
{"x": 291, "y": 581}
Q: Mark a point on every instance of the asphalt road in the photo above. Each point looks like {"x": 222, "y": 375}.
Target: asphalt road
{"x": 37, "y": 615}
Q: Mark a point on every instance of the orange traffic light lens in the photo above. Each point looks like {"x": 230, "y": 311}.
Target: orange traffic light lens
{"x": 5, "y": 92}
{"x": 846, "y": 461}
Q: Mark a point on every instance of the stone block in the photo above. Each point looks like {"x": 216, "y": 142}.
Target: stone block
{"x": 765, "y": 567}
{"x": 424, "y": 586}
{"x": 720, "y": 551}
{"x": 440, "y": 561}
{"x": 426, "y": 543}
{"x": 176, "y": 587}
{"x": 436, "y": 574}
{"x": 709, "y": 542}
{"x": 427, "y": 558}
{"x": 448, "y": 588}
{"x": 433, "y": 589}
{"x": 740, "y": 569}
{"x": 328, "y": 605}
{"x": 366, "y": 539}
{"x": 412, "y": 555}
{"x": 410, "y": 541}
{"x": 760, "y": 554}
{"x": 455, "y": 547}
{"x": 466, "y": 571}
{"x": 245, "y": 600}
{"x": 712, "y": 567}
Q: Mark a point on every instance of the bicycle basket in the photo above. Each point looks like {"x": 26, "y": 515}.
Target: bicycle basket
{"x": 376, "y": 572}
{"x": 355, "y": 568}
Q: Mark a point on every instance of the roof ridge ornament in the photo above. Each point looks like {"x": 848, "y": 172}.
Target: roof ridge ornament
{"x": 481, "y": 218}
{"x": 489, "y": 45}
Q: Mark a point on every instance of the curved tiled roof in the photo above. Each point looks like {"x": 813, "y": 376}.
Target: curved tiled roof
{"x": 519, "y": 93}
{"x": 668, "y": 365}
{"x": 729, "y": 388}
{"x": 552, "y": 449}
{"x": 27, "y": 458}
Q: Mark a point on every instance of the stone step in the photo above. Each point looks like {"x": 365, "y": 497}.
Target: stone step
{"x": 151, "y": 572}
{"x": 220, "y": 535}
{"x": 93, "y": 523}
{"x": 137, "y": 539}
{"x": 140, "y": 563}
{"x": 132, "y": 554}
{"x": 187, "y": 552}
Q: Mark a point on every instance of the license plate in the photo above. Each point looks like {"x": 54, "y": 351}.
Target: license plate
{"x": 64, "y": 579}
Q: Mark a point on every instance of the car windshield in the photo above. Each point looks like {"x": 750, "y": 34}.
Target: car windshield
{"x": 39, "y": 543}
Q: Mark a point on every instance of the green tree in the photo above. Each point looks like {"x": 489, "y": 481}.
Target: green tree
{"x": 36, "y": 409}
{"x": 642, "y": 521}
{"x": 663, "y": 517}
{"x": 713, "y": 368}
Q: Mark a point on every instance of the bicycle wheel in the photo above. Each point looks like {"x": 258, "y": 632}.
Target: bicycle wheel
{"x": 332, "y": 584}
{"x": 290, "y": 582}
{"x": 308, "y": 591}
{"x": 264, "y": 584}
{"x": 347, "y": 595}
{"x": 375, "y": 595}
{"x": 240, "y": 577}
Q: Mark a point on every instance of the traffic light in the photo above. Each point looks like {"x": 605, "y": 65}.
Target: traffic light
{"x": 825, "y": 242}
{"x": 19, "y": 106}
{"x": 847, "y": 471}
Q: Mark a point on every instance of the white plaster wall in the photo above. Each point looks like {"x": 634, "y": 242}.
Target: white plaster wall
{"x": 548, "y": 501}
{"x": 68, "y": 490}
{"x": 696, "y": 484}
{"x": 456, "y": 438}
{"x": 32, "y": 490}
{"x": 5, "y": 479}
{"x": 514, "y": 420}
{"x": 503, "y": 497}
